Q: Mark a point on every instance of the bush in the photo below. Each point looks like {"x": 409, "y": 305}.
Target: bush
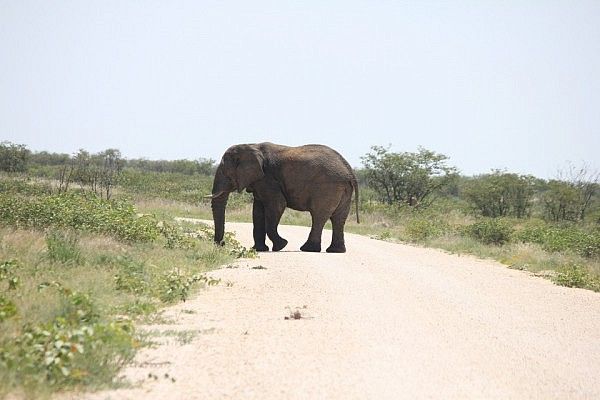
{"x": 500, "y": 194}
{"x": 490, "y": 231}
{"x": 59, "y": 354}
{"x": 75, "y": 348}
{"x": 79, "y": 211}
{"x": 13, "y": 157}
{"x": 176, "y": 285}
{"x": 574, "y": 275}
{"x": 132, "y": 276}
{"x": 173, "y": 186}
{"x": 561, "y": 239}
{"x": 24, "y": 187}
{"x": 420, "y": 229}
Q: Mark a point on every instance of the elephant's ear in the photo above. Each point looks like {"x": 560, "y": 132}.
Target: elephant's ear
{"x": 249, "y": 169}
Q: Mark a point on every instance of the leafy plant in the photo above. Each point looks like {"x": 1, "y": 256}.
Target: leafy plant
{"x": 174, "y": 237}
{"x": 235, "y": 248}
{"x": 562, "y": 239}
{"x": 420, "y": 229}
{"x": 8, "y": 309}
{"x": 59, "y": 354}
{"x": 574, "y": 275}
{"x": 176, "y": 285}
{"x": 72, "y": 349}
{"x": 490, "y": 231}
{"x": 132, "y": 276}
{"x": 78, "y": 211}
{"x": 7, "y": 273}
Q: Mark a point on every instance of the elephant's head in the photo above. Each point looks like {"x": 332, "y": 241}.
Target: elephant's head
{"x": 240, "y": 166}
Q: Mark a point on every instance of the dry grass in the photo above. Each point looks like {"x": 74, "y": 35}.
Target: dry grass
{"x": 92, "y": 274}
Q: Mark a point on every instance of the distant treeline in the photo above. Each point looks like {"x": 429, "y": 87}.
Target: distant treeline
{"x": 396, "y": 180}
{"x": 18, "y": 158}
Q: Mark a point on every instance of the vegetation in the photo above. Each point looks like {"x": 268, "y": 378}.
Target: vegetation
{"x": 76, "y": 271}
{"x": 89, "y": 244}
{"x": 500, "y": 194}
{"x": 13, "y": 157}
{"x": 407, "y": 178}
{"x": 571, "y": 197}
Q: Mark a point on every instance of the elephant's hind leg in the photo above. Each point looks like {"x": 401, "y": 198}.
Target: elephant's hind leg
{"x": 338, "y": 220}
{"x": 313, "y": 243}
{"x": 319, "y": 218}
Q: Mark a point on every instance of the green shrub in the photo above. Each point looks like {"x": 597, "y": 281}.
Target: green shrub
{"x": 78, "y": 211}
{"x": 75, "y": 348}
{"x": 176, "y": 285}
{"x": 174, "y": 237}
{"x": 574, "y": 275}
{"x": 8, "y": 308}
{"x": 235, "y": 248}
{"x": 60, "y": 354}
{"x": 24, "y": 187}
{"x": 8, "y": 274}
{"x": 132, "y": 276}
{"x": 13, "y": 157}
{"x": 500, "y": 194}
{"x": 561, "y": 239}
{"x": 166, "y": 185}
{"x": 420, "y": 229}
{"x": 490, "y": 231}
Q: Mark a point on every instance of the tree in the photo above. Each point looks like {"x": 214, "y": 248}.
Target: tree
{"x": 13, "y": 157}
{"x": 202, "y": 166}
{"x": 500, "y": 194}
{"x": 109, "y": 166}
{"x": 407, "y": 178}
{"x": 98, "y": 171}
{"x": 569, "y": 197}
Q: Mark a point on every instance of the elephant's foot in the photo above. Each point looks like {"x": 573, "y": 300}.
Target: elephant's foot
{"x": 261, "y": 247}
{"x": 279, "y": 244}
{"x": 313, "y": 247}
{"x": 336, "y": 248}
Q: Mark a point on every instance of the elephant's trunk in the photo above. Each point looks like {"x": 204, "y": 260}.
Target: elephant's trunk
{"x": 220, "y": 193}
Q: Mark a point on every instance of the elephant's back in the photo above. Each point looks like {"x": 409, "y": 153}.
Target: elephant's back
{"x": 318, "y": 162}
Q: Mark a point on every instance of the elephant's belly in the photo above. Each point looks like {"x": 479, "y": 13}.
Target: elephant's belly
{"x": 297, "y": 205}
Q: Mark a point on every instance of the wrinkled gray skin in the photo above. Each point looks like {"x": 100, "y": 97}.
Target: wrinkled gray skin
{"x": 311, "y": 178}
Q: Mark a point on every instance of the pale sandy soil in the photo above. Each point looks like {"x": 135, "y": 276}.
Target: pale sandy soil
{"x": 383, "y": 321}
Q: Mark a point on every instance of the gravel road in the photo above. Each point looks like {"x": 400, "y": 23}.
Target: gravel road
{"x": 382, "y": 321}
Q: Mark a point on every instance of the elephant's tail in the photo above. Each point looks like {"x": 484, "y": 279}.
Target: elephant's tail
{"x": 355, "y": 186}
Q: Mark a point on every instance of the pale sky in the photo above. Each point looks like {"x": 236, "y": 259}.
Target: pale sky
{"x": 491, "y": 84}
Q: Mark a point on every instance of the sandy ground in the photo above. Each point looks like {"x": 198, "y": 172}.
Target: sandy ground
{"x": 383, "y": 321}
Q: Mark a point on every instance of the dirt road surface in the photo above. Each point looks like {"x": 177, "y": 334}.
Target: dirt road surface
{"x": 383, "y": 321}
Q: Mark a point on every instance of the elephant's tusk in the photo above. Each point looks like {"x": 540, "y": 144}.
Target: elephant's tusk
{"x": 214, "y": 196}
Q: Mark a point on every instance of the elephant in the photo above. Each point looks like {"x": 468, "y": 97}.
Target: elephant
{"x": 313, "y": 178}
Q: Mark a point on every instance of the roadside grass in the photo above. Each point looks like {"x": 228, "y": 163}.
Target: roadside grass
{"x": 76, "y": 273}
{"x": 121, "y": 282}
{"x": 568, "y": 255}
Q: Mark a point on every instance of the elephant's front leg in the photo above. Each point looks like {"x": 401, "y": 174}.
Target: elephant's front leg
{"x": 273, "y": 212}
{"x": 259, "y": 231}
